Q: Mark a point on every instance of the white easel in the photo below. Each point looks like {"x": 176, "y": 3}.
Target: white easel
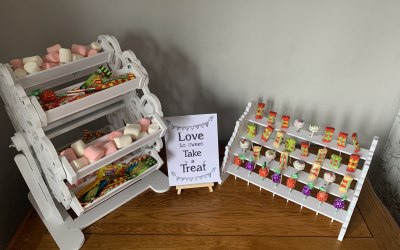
{"x": 45, "y": 173}
{"x": 233, "y": 149}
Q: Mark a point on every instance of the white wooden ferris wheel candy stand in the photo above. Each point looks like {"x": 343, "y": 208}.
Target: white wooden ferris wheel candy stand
{"x": 45, "y": 172}
{"x": 233, "y": 150}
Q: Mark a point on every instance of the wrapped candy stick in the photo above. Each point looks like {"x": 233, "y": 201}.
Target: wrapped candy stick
{"x": 278, "y": 139}
{"x": 290, "y": 144}
{"x": 256, "y": 152}
{"x": 342, "y": 140}
{"x": 260, "y": 110}
{"x": 329, "y": 131}
{"x": 353, "y": 162}
{"x": 345, "y": 183}
{"x": 267, "y": 133}
{"x": 285, "y": 121}
{"x": 283, "y": 160}
{"x": 271, "y": 117}
{"x": 251, "y": 130}
{"x": 321, "y": 154}
{"x": 335, "y": 161}
{"x": 304, "y": 148}
{"x": 357, "y": 147}
{"x": 314, "y": 172}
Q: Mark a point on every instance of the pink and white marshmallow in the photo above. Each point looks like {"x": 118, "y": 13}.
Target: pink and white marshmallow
{"x": 17, "y": 63}
{"x": 31, "y": 67}
{"x": 54, "y": 48}
{"x": 69, "y": 154}
{"x": 52, "y": 57}
{"x": 144, "y": 123}
{"x": 79, "y": 163}
{"x": 109, "y": 148}
{"x": 132, "y": 130}
{"x": 48, "y": 65}
{"x": 78, "y": 147}
{"x": 111, "y": 136}
{"x": 79, "y": 49}
{"x": 123, "y": 141}
{"x": 92, "y": 52}
{"x": 93, "y": 153}
{"x": 65, "y": 55}
{"x": 36, "y": 59}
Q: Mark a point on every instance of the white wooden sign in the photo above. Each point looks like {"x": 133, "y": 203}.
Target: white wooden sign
{"x": 192, "y": 149}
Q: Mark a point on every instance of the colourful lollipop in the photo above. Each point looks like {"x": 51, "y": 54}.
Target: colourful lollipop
{"x": 263, "y": 172}
{"x": 237, "y": 161}
{"x": 250, "y": 165}
{"x": 276, "y": 177}
{"x": 291, "y": 182}
{"x": 307, "y": 190}
{"x": 338, "y": 203}
{"x": 322, "y": 195}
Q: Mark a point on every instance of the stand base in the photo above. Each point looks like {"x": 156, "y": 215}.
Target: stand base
{"x": 68, "y": 234}
{"x": 209, "y": 185}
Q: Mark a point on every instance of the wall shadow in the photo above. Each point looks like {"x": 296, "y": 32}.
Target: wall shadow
{"x": 175, "y": 80}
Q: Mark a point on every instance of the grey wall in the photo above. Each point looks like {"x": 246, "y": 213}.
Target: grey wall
{"x": 333, "y": 62}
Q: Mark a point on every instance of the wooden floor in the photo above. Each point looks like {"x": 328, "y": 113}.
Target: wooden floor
{"x": 234, "y": 216}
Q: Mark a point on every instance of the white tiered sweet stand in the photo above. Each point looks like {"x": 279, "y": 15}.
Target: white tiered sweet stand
{"x": 233, "y": 149}
{"x": 45, "y": 172}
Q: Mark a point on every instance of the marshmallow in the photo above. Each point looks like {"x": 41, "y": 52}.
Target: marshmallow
{"x": 79, "y": 163}
{"x": 17, "y": 63}
{"x": 93, "y": 153}
{"x": 37, "y": 59}
{"x": 69, "y": 154}
{"x": 132, "y": 130}
{"x": 142, "y": 135}
{"x": 98, "y": 144}
{"x": 52, "y": 57}
{"x": 48, "y": 65}
{"x": 54, "y": 48}
{"x": 78, "y": 147}
{"x": 123, "y": 141}
{"x": 144, "y": 123}
{"x": 111, "y": 136}
{"x": 95, "y": 45}
{"x": 109, "y": 148}
{"x": 79, "y": 49}
{"x": 76, "y": 57}
{"x": 92, "y": 52}
{"x": 31, "y": 67}
{"x": 65, "y": 55}
{"x": 19, "y": 73}
{"x": 153, "y": 128}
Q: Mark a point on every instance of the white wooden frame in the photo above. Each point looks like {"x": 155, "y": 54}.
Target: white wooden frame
{"x": 45, "y": 172}
{"x": 233, "y": 149}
